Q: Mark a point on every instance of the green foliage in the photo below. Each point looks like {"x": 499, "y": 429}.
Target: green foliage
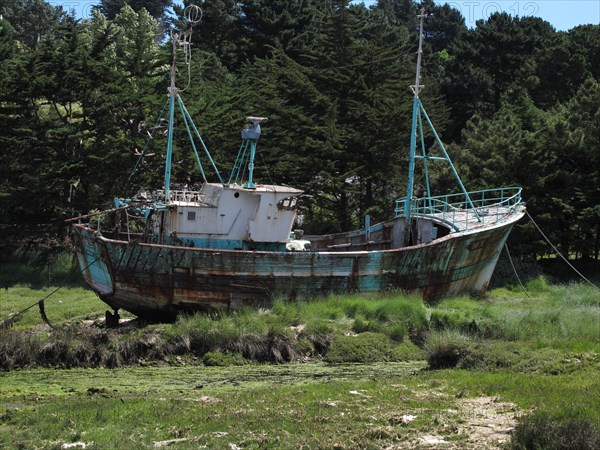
{"x": 156, "y": 8}
{"x": 463, "y": 314}
{"x": 489, "y": 60}
{"x": 84, "y": 94}
{"x": 286, "y": 24}
{"x": 33, "y": 21}
{"x": 526, "y": 268}
{"x": 445, "y": 348}
{"x": 220, "y": 31}
{"x": 407, "y": 351}
{"x": 560, "y": 313}
{"x": 77, "y": 100}
{"x": 363, "y": 348}
{"x": 362, "y": 325}
{"x": 39, "y": 269}
{"x": 523, "y": 357}
{"x": 66, "y": 305}
{"x": 571, "y": 199}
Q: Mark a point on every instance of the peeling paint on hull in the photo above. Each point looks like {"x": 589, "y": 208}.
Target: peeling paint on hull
{"x": 158, "y": 281}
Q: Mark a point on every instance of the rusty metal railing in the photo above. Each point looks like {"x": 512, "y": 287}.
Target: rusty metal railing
{"x": 181, "y": 196}
{"x": 489, "y": 205}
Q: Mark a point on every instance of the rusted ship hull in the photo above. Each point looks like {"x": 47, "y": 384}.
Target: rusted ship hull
{"x": 159, "y": 281}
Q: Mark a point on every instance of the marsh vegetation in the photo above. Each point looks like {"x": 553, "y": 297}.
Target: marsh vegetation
{"x": 351, "y": 371}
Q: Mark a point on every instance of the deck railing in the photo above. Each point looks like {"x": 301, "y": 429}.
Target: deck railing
{"x": 488, "y": 206}
{"x": 180, "y": 196}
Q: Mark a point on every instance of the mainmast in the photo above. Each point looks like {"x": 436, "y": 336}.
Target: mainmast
{"x": 172, "y": 94}
{"x": 413, "y": 131}
{"x": 192, "y": 15}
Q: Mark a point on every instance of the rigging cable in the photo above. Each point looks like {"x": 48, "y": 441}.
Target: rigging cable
{"x": 515, "y": 270}
{"x": 151, "y": 138}
{"x": 267, "y": 169}
{"x": 558, "y": 253}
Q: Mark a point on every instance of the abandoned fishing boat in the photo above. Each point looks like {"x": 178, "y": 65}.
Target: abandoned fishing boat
{"x": 231, "y": 243}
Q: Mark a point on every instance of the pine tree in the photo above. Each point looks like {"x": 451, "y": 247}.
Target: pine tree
{"x": 156, "y": 8}
{"x": 486, "y": 61}
{"x": 277, "y": 23}
{"x": 32, "y": 20}
{"x": 571, "y": 182}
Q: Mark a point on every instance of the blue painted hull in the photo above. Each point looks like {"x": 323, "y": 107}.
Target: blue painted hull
{"x": 159, "y": 281}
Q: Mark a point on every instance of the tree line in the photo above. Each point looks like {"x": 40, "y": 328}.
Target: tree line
{"x": 516, "y": 101}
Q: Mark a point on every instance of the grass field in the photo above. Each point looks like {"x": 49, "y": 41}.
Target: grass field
{"x": 353, "y": 372}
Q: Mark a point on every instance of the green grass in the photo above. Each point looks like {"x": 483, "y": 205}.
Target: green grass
{"x": 249, "y": 405}
{"x": 562, "y": 316}
{"x": 200, "y": 378}
{"x": 276, "y": 406}
{"x": 68, "y": 304}
{"x": 543, "y": 392}
{"x": 566, "y": 429}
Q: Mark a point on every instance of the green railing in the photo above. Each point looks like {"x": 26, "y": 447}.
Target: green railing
{"x": 455, "y": 209}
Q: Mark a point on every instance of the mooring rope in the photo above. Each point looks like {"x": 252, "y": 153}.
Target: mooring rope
{"x": 559, "y": 253}
{"x": 7, "y": 323}
{"x": 515, "y": 270}
{"x": 43, "y": 314}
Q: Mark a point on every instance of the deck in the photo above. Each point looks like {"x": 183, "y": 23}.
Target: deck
{"x": 465, "y": 211}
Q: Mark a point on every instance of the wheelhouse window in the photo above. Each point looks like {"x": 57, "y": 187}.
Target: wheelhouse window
{"x": 288, "y": 204}
{"x": 191, "y": 215}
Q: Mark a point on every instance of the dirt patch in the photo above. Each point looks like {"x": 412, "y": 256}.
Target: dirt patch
{"x": 488, "y": 421}
{"x": 477, "y": 423}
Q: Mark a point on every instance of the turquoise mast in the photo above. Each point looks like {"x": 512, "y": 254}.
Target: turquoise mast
{"x": 417, "y": 124}
{"x": 172, "y": 94}
{"x": 413, "y": 129}
{"x": 192, "y": 15}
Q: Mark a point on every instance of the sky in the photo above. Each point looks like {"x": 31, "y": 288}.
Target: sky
{"x": 562, "y": 14}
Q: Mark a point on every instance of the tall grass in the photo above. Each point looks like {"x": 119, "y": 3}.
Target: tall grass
{"x": 552, "y": 315}
{"x": 398, "y": 316}
{"x": 541, "y": 352}
{"x": 554, "y": 320}
{"x": 567, "y": 430}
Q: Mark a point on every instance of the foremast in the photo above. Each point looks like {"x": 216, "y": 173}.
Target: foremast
{"x": 418, "y": 113}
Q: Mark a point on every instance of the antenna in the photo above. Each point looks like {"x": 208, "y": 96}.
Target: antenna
{"x": 192, "y": 14}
